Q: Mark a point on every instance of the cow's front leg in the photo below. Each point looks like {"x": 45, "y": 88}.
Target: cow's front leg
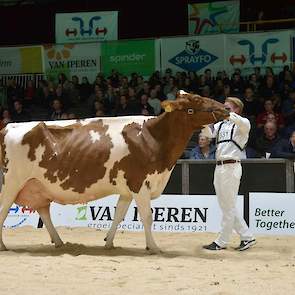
{"x": 121, "y": 210}
{"x": 7, "y": 197}
{"x": 45, "y": 216}
{"x": 143, "y": 203}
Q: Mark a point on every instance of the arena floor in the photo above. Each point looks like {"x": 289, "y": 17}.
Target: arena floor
{"x": 83, "y": 266}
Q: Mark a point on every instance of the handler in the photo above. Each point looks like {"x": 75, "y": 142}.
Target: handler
{"x": 231, "y": 138}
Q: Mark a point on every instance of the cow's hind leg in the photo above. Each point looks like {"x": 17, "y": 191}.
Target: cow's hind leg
{"x": 143, "y": 203}
{"x": 121, "y": 210}
{"x": 45, "y": 216}
{"x": 7, "y": 198}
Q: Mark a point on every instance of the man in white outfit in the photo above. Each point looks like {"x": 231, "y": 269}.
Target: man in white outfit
{"x": 231, "y": 138}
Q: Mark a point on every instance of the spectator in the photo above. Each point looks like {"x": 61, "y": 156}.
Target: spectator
{"x": 285, "y": 149}
{"x": 251, "y": 105}
{"x": 19, "y": 114}
{"x": 168, "y": 88}
{"x": 155, "y": 102}
{"x": 172, "y": 94}
{"x": 85, "y": 89}
{"x": 145, "y": 108}
{"x": 123, "y": 108}
{"x": 266, "y": 142}
{"x": 98, "y": 109}
{"x": 57, "y": 108}
{"x": 288, "y": 108}
{"x": 269, "y": 109}
{"x": 203, "y": 150}
{"x": 6, "y": 118}
{"x": 237, "y": 85}
{"x": 269, "y": 89}
{"x": 29, "y": 94}
{"x": 254, "y": 83}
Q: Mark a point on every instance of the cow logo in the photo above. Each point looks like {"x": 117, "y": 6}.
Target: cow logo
{"x": 53, "y": 53}
{"x": 193, "y": 58}
{"x": 254, "y": 58}
{"x": 86, "y": 31}
{"x": 17, "y": 216}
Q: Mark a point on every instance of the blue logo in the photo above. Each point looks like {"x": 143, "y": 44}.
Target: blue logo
{"x": 264, "y": 49}
{"x": 89, "y": 31}
{"x": 193, "y": 58}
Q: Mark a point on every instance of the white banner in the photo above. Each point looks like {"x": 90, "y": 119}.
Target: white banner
{"x": 21, "y": 60}
{"x": 193, "y": 53}
{"x": 272, "y": 213}
{"x": 246, "y": 51}
{"x": 86, "y": 26}
{"x": 21, "y": 216}
{"x": 72, "y": 59}
{"x": 171, "y": 213}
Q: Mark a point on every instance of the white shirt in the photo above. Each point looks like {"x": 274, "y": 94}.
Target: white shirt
{"x": 228, "y": 150}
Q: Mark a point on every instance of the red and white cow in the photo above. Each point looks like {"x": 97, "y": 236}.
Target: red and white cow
{"x": 76, "y": 161}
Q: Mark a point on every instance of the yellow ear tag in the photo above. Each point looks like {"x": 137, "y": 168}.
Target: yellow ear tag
{"x": 168, "y": 108}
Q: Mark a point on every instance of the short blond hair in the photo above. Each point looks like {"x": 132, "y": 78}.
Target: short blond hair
{"x": 236, "y": 101}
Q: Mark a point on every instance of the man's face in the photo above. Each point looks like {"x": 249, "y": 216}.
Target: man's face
{"x": 292, "y": 138}
{"x": 270, "y": 130}
{"x": 17, "y": 106}
{"x": 231, "y": 107}
{"x": 248, "y": 93}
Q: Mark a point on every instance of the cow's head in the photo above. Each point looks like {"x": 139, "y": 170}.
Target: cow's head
{"x": 200, "y": 110}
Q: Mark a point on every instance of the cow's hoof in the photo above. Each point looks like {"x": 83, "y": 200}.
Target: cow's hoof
{"x": 3, "y": 248}
{"x": 153, "y": 251}
{"x": 109, "y": 246}
{"x": 59, "y": 244}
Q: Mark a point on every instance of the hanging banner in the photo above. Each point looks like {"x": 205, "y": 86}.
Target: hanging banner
{"x": 21, "y": 60}
{"x": 246, "y": 51}
{"x": 272, "y": 213}
{"x": 171, "y": 213}
{"x": 129, "y": 56}
{"x": 86, "y": 26}
{"x": 214, "y": 17}
{"x": 72, "y": 59}
{"x": 193, "y": 53}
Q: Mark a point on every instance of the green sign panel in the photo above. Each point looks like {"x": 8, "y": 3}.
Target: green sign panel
{"x": 128, "y": 57}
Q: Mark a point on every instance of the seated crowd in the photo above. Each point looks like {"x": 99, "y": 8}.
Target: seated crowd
{"x": 269, "y": 103}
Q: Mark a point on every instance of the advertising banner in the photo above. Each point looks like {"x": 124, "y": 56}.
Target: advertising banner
{"x": 21, "y": 60}
{"x": 171, "y": 213}
{"x": 193, "y": 53}
{"x": 21, "y": 216}
{"x": 272, "y": 213}
{"x": 86, "y": 26}
{"x": 72, "y": 59}
{"x": 246, "y": 51}
{"x": 214, "y": 17}
{"x": 129, "y": 56}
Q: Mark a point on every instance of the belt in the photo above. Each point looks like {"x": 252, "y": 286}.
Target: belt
{"x": 227, "y": 162}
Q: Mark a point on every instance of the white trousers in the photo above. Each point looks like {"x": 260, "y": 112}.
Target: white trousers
{"x": 226, "y": 183}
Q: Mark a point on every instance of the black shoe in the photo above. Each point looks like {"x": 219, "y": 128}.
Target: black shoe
{"x": 213, "y": 246}
{"x": 244, "y": 245}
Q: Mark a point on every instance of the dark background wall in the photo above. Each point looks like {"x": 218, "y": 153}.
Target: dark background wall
{"x": 34, "y": 24}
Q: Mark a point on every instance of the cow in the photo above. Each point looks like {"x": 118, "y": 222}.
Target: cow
{"x": 77, "y": 161}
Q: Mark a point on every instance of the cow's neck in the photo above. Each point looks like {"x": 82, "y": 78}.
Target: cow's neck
{"x": 173, "y": 131}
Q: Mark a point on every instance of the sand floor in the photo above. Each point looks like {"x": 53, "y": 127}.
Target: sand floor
{"x": 83, "y": 266}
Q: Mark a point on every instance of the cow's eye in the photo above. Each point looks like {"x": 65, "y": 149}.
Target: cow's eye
{"x": 190, "y": 111}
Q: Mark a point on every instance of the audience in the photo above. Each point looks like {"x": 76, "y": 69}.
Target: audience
{"x": 269, "y": 101}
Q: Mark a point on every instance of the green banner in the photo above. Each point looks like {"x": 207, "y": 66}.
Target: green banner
{"x": 128, "y": 57}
